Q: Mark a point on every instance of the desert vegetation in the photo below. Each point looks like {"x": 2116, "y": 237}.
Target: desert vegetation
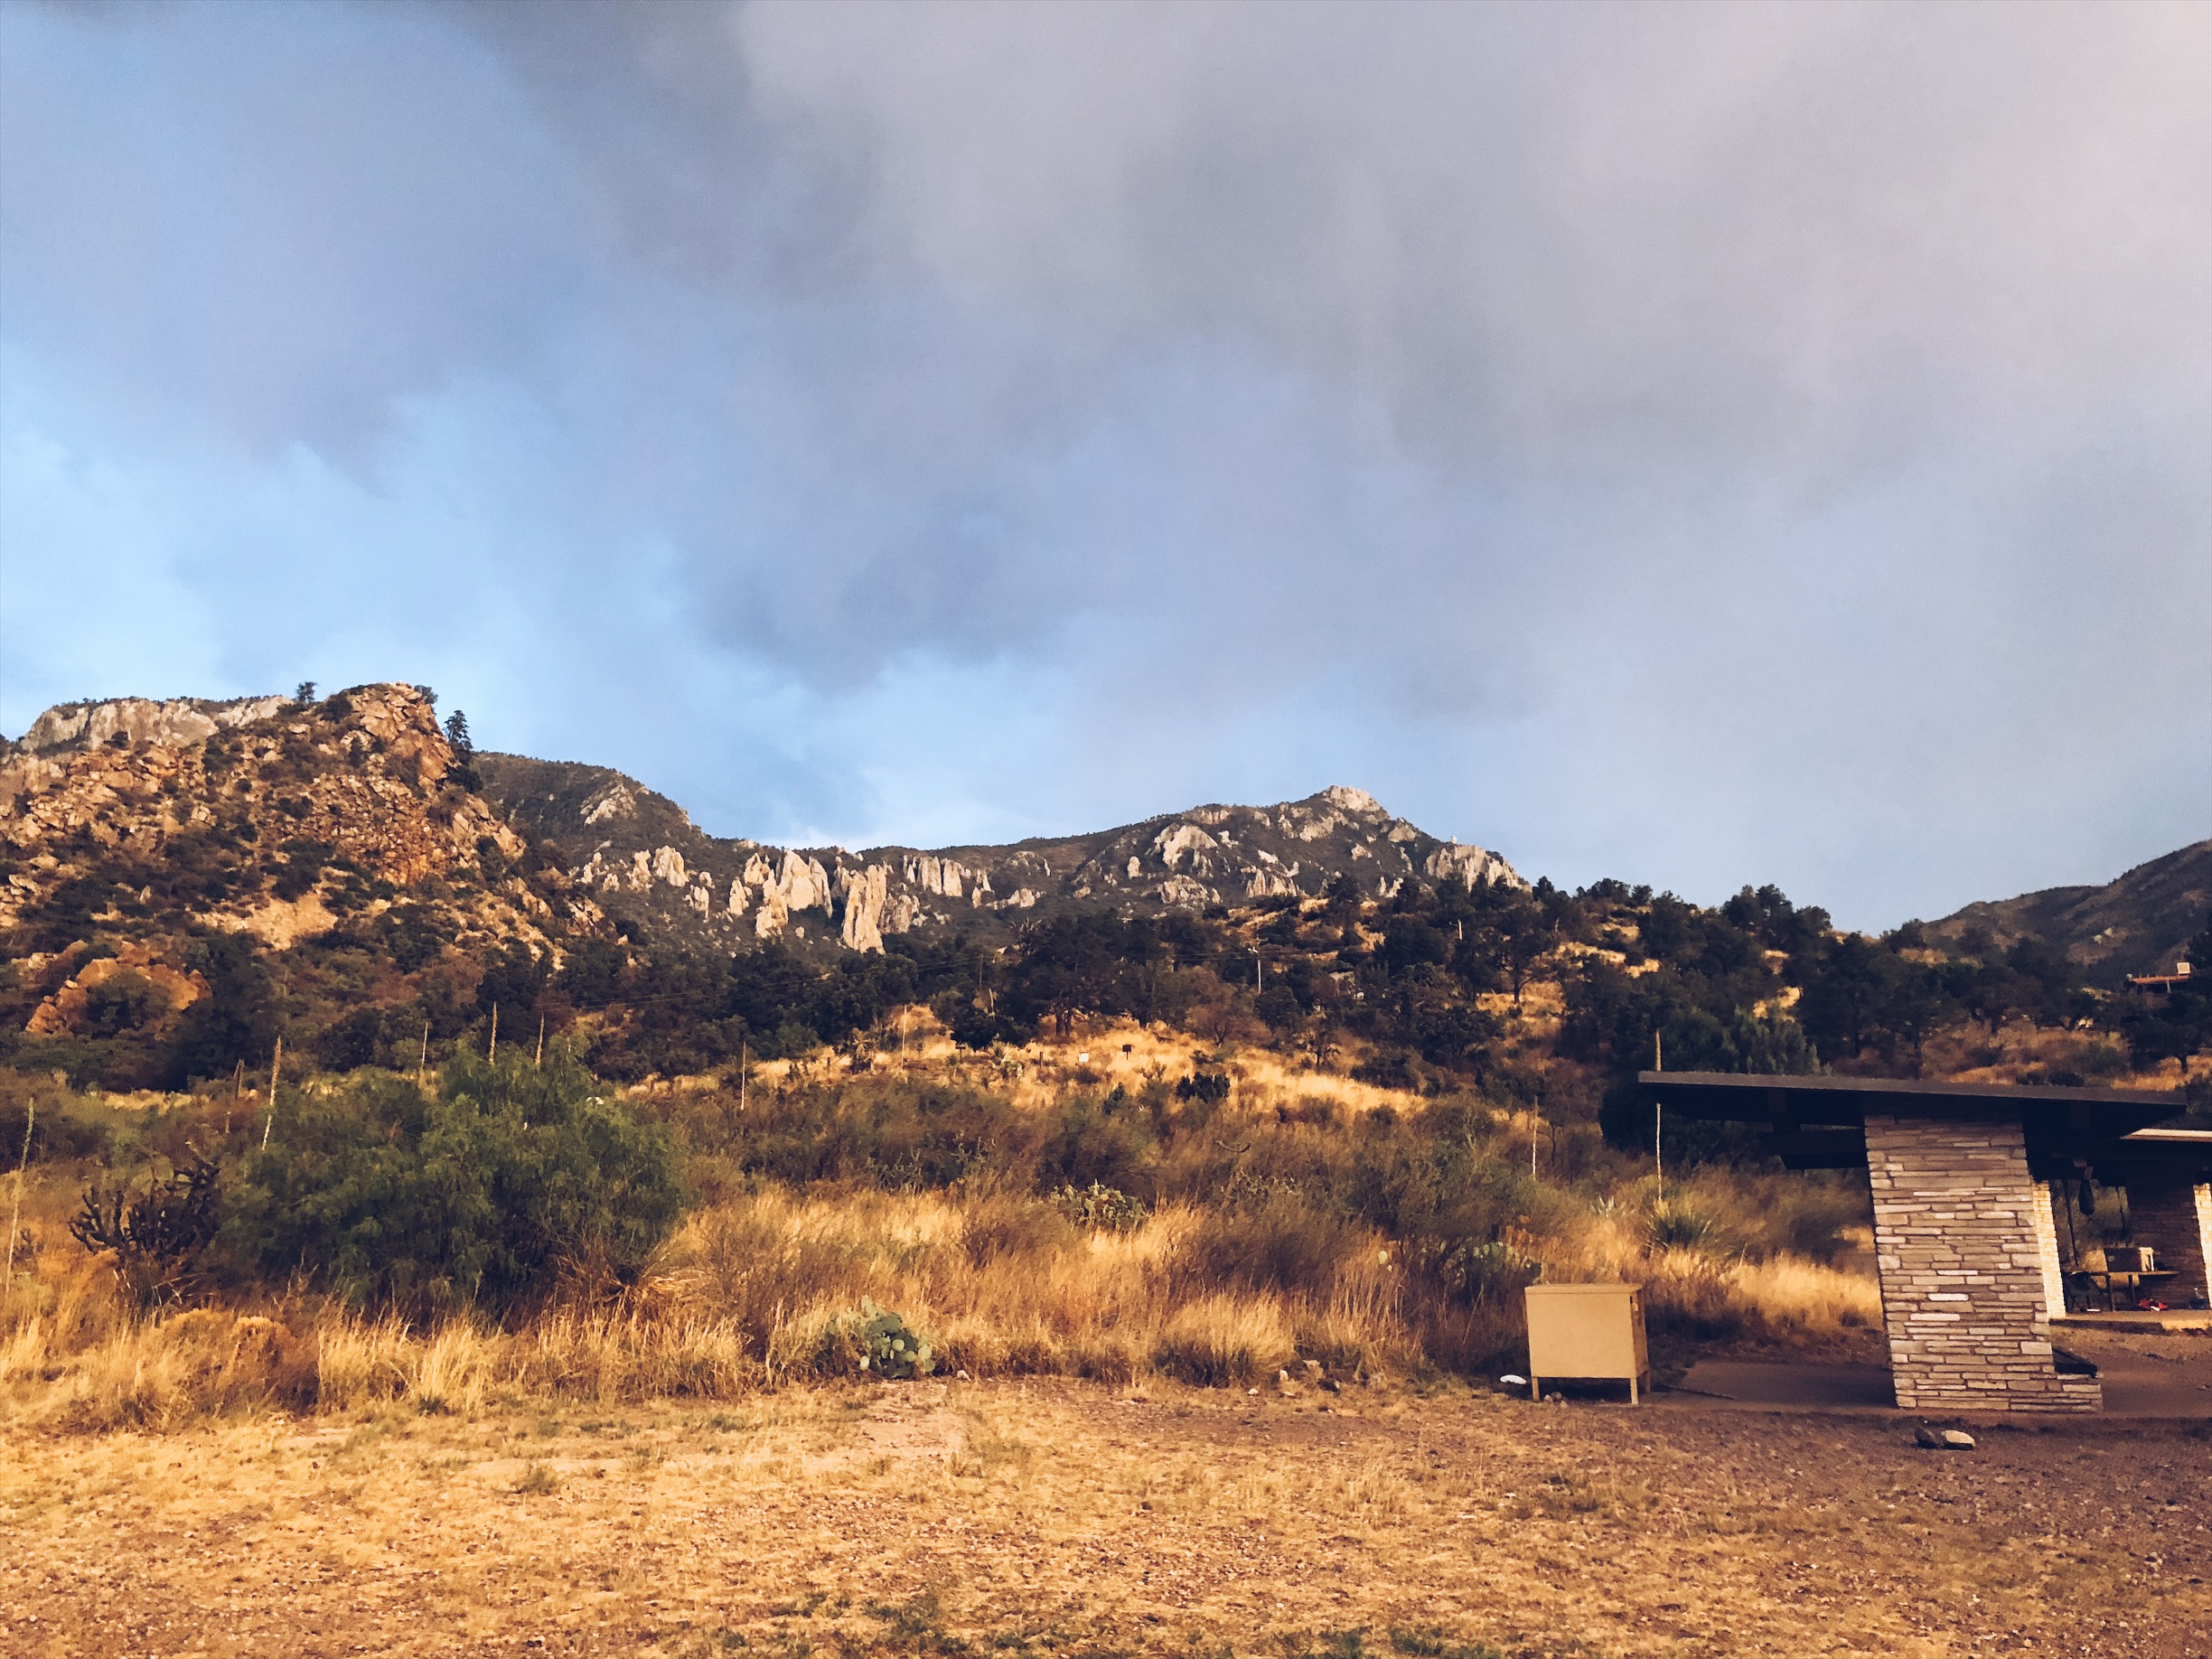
{"x": 522, "y": 1228}
{"x": 1098, "y": 1151}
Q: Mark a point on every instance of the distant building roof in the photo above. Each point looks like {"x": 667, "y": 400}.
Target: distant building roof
{"x": 2066, "y": 1129}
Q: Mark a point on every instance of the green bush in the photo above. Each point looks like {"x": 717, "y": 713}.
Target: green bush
{"x": 484, "y": 1194}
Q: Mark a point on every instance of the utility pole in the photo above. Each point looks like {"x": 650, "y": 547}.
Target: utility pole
{"x": 744, "y": 1064}
{"x": 1658, "y": 1155}
{"x": 493, "y": 1055}
{"x": 422, "y": 1064}
{"x": 269, "y": 1122}
{"x": 540, "y": 1061}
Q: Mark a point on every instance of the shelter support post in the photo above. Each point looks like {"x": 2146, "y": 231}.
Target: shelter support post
{"x": 1965, "y": 1300}
{"x": 2046, "y": 1219}
{"x": 2175, "y": 1219}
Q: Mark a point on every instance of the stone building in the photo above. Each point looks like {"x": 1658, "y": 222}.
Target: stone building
{"x": 1962, "y": 1176}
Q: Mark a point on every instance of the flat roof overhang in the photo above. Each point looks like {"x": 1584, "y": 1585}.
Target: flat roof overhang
{"x": 1820, "y": 1122}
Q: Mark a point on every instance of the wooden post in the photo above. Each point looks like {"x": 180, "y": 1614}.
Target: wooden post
{"x": 540, "y": 1061}
{"x": 744, "y": 1066}
{"x": 422, "y": 1064}
{"x": 269, "y": 1122}
{"x": 15, "y": 1220}
{"x": 493, "y": 1055}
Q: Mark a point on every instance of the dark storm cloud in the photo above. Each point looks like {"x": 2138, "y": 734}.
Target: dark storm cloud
{"x": 1701, "y": 443}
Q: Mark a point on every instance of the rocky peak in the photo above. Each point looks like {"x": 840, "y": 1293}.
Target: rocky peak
{"x": 139, "y": 720}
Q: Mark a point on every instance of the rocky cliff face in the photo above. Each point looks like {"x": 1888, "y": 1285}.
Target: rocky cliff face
{"x": 645, "y": 861}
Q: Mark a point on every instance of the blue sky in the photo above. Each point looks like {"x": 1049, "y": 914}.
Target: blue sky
{"x": 1701, "y": 443}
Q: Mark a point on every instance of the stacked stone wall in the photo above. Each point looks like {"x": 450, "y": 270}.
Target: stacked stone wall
{"x": 2175, "y": 1219}
{"x": 1962, "y": 1265}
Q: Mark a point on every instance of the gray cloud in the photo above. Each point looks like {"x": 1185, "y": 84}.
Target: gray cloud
{"x": 1702, "y": 443}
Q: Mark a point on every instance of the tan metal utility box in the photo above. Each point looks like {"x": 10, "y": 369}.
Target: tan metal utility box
{"x": 1587, "y": 1331}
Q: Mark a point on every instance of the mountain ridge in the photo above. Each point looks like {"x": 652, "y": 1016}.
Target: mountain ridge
{"x": 186, "y": 883}
{"x": 303, "y": 810}
{"x": 562, "y": 847}
{"x": 640, "y": 855}
{"x": 2138, "y": 923}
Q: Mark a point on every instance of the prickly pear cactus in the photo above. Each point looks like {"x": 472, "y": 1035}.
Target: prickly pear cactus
{"x": 890, "y": 1347}
{"x": 1101, "y": 1206}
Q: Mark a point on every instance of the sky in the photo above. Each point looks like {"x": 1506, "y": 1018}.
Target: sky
{"x": 1701, "y": 444}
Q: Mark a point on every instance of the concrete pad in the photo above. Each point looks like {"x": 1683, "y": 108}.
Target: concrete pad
{"x": 1753, "y": 1383}
{"x": 2170, "y": 1320}
{"x": 2148, "y": 1374}
{"x": 2166, "y": 1377}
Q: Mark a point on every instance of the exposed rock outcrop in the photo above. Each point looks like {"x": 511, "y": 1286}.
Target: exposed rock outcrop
{"x": 1180, "y": 842}
{"x": 134, "y": 972}
{"x": 1469, "y": 865}
{"x": 173, "y": 724}
{"x": 864, "y": 898}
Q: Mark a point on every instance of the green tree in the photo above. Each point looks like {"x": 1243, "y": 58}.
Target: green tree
{"x": 463, "y": 771}
{"x": 236, "y": 1022}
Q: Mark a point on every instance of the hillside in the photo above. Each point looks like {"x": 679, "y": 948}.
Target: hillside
{"x": 155, "y": 855}
{"x": 182, "y": 883}
{"x": 2141, "y": 924}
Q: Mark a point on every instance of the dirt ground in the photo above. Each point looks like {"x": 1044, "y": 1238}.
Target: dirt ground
{"x": 1071, "y": 1519}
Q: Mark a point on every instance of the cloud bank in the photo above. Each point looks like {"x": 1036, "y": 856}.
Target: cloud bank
{"x": 1701, "y": 444}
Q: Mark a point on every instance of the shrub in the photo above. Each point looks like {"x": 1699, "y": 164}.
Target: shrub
{"x": 1390, "y": 1068}
{"x": 1282, "y": 1242}
{"x": 1675, "y": 1226}
{"x": 1098, "y": 1142}
{"x": 509, "y": 1176}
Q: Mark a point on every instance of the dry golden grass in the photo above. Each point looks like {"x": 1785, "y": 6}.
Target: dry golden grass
{"x": 749, "y": 1294}
{"x": 754, "y": 1292}
{"x": 2020, "y": 1053}
{"x": 752, "y": 1296}
{"x": 1061, "y": 1518}
{"x": 692, "y": 1469}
